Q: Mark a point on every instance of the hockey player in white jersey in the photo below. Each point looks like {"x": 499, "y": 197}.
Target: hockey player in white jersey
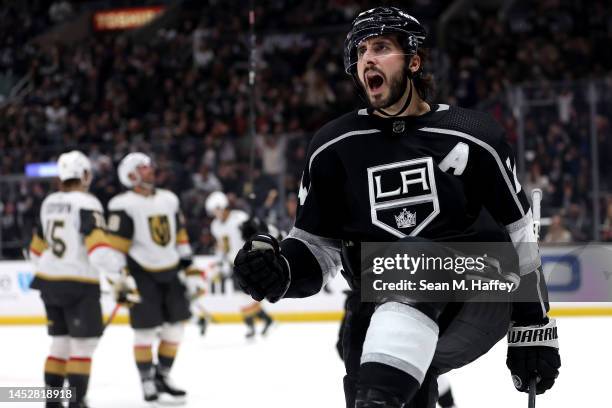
{"x": 68, "y": 250}
{"x": 147, "y": 228}
{"x": 227, "y": 229}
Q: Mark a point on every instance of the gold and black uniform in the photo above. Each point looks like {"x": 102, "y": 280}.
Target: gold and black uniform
{"x": 69, "y": 242}
{"x": 150, "y": 232}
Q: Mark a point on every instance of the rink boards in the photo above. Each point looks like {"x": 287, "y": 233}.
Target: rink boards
{"x": 579, "y": 280}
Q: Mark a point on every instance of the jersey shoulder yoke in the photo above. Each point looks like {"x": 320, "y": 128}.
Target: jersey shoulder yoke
{"x": 477, "y": 124}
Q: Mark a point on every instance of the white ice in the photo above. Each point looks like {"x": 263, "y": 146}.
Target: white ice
{"x": 297, "y": 366}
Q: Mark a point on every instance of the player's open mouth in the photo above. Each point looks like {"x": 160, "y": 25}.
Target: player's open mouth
{"x": 374, "y": 81}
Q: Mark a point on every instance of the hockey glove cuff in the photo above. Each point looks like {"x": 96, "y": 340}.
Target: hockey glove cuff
{"x": 260, "y": 269}
{"x": 194, "y": 281}
{"x": 124, "y": 289}
{"x": 533, "y": 351}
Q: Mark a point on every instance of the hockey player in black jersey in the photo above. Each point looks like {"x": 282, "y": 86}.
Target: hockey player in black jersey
{"x": 401, "y": 169}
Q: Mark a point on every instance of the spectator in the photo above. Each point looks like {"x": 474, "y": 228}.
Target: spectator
{"x": 182, "y": 95}
{"x": 557, "y": 233}
{"x": 205, "y": 181}
{"x": 10, "y": 230}
{"x": 271, "y": 148}
{"x": 56, "y": 115}
{"x": 60, "y": 11}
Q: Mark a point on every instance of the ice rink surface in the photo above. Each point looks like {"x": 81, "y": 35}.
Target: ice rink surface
{"x": 297, "y": 366}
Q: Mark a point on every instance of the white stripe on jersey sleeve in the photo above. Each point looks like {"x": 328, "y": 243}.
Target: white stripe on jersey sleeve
{"x": 325, "y": 250}
{"x": 524, "y": 240}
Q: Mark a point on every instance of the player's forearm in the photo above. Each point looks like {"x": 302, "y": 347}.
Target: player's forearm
{"x": 533, "y": 286}
{"x": 108, "y": 262}
{"x": 305, "y": 271}
{"x": 312, "y": 260}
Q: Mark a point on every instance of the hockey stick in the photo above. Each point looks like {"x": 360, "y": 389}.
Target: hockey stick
{"x": 536, "y": 199}
{"x": 532, "y": 391}
{"x": 111, "y": 317}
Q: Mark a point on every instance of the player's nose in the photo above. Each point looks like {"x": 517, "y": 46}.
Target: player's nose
{"x": 369, "y": 58}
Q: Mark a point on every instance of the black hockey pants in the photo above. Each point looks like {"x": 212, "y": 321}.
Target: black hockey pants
{"x": 467, "y": 331}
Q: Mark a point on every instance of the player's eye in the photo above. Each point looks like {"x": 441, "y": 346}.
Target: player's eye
{"x": 361, "y": 51}
{"x": 380, "y": 47}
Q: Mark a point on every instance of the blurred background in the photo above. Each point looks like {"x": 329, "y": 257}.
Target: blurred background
{"x": 170, "y": 78}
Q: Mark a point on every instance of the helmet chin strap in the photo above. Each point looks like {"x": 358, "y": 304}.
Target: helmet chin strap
{"x": 406, "y": 104}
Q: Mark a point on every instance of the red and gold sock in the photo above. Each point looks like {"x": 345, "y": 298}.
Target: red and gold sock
{"x": 144, "y": 360}
{"x": 78, "y": 370}
{"x": 166, "y": 355}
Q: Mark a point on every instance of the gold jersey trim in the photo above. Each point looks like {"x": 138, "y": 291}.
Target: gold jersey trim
{"x": 119, "y": 243}
{"x": 96, "y": 238}
{"x": 182, "y": 237}
{"x": 67, "y": 278}
{"x": 158, "y": 270}
{"x": 38, "y": 245}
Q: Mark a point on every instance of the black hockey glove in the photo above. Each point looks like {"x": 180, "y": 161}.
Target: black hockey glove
{"x": 260, "y": 270}
{"x": 251, "y": 227}
{"x": 533, "y": 351}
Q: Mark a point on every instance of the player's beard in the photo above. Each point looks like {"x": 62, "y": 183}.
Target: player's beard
{"x": 398, "y": 84}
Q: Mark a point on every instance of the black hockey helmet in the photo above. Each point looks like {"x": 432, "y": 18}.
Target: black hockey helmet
{"x": 380, "y": 21}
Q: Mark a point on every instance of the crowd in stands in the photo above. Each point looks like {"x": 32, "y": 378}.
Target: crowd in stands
{"x": 18, "y": 25}
{"x": 183, "y": 97}
{"x": 551, "y": 47}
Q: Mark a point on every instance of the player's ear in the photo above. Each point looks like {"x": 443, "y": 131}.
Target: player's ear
{"x": 415, "y": 63}
{"x": 87, "y": 177}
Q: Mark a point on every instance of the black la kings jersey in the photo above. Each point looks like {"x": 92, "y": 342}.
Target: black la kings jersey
{"x": 369, "y": 178}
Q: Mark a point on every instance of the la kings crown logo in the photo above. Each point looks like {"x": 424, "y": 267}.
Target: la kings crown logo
{"x": 406, "y": 219}
{"x": 403, "y": 196}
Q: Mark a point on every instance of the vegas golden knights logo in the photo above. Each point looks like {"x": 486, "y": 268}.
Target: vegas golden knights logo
{"x": 225, "y": 245}
{"x": 160, "y": 229}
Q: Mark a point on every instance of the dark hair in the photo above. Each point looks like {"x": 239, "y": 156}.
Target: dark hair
{"x": 423, "y": 80}
{"x": 70, "y": 184}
